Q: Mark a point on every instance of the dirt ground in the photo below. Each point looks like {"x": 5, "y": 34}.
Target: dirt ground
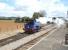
{"x": 9, "y": 28}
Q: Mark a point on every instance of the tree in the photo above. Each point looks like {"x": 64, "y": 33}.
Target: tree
{"x": 39, "y": 14}
{"x": 18, "y": 19}
{"x": 35, "y": 15}
{"x": 54, "y": 18}
{"x": 25, "y": 19}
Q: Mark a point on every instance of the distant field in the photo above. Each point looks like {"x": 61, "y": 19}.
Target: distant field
{"x": 6, "y": 20}
{"x": 9, "y": 25}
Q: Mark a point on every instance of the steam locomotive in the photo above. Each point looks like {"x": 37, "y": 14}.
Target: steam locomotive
{"x": 32, "y": 26}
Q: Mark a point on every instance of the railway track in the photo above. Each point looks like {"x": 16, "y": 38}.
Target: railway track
{"x": 14, "y": 38}
{"x": 34, "y": 42}
{"x": 8, "y": 42}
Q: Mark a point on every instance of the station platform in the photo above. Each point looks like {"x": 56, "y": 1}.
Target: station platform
{"x": 53, "y": 42}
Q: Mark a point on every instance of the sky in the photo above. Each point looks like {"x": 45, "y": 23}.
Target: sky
{"x": 28, "y": 7}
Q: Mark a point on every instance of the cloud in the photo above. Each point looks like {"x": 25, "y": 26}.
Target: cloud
{"x": 52, "y": 7}
{"x": 55, "y": 8}
{"x": 27, "y": 7}
{"x": 6, "y": 10}
{"x": 4, "y": 7}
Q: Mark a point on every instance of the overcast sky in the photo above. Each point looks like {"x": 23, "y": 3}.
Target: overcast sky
{"x": 27, "y": 7}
